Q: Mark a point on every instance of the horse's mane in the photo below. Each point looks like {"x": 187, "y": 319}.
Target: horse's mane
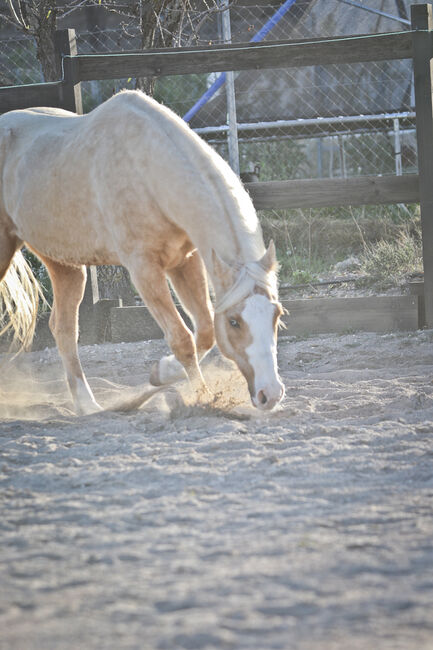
{"x": 250, "y": 275}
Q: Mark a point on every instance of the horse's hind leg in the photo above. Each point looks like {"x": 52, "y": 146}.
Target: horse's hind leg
{"x": 190, "y": 284}
{"x": 68, "y": 289}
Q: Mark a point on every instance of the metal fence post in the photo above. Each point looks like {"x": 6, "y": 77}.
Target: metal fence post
{"x": 397, "y": 147}
{"x": 231, "y": 97}
{"x": 422, "y": 24}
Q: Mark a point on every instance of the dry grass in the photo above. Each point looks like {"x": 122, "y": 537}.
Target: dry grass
{"x": 310, "y": 242}
{"x": 389, "y": 262}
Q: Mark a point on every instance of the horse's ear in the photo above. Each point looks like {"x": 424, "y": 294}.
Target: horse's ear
{"x": 269, "y": 259}
{"x": 223, "y": 272}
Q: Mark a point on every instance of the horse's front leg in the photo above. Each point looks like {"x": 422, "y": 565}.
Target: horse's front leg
{"x": 189, "y": 281}
{"x": 68, "y": 289}
{"x": 149, "y": 278}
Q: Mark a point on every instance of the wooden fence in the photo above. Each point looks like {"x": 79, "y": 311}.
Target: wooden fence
{"x": 416, "y": 44}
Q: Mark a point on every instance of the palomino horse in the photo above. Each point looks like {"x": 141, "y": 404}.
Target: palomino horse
{"x": 130, "y": 183}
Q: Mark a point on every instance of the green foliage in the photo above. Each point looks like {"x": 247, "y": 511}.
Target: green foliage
{"x": 180, "y": 95}
{"x": 96, "y": 92}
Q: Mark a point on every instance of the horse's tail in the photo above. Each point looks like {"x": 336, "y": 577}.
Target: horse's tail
{"x": 19, "y": 301}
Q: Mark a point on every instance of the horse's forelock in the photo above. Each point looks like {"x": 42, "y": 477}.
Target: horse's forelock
{"x": 250, "y": 275}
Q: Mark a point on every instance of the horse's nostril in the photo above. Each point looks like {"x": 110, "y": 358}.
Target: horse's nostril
{"x": 262, "y": 397}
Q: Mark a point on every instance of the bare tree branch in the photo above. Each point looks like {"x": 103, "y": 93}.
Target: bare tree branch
{"x": 17, "y": 19}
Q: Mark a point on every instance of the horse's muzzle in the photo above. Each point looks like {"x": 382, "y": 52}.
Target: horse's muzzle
{"x": 266, "y": 398}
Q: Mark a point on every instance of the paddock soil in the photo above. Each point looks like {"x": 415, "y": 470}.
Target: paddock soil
{"x": 185, "y": 526}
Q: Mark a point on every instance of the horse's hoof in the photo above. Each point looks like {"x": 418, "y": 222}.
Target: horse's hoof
{"x": 154, "y": 375}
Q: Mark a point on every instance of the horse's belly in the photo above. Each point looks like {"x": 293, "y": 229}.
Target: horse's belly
{"x": 83, "y": 213}
{"x": 70, "y": 241}
{"x": 65, "y": 230}
{"x": 53, "y": 206}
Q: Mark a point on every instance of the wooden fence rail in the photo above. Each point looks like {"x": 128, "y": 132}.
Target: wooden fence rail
{"x": 324, "y": 192}
{"x": 245, "y": 56}
{"x": 415, "y": 44}
{"x": 43, "y": 94}
{"x": 175, "y": 61}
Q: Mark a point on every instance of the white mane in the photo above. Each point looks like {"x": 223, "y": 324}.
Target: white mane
{"x": 250, "y": 275}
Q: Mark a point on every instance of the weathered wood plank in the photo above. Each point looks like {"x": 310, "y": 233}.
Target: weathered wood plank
{"x": 370, "y": 314}
{"x": 46, "y": 94}
{"x": 243, "y": 56}
{"x": 66, "y": 46}
{"x": 363, "y": 190}
{"x": 312, "y": 316}
{"x": 416, "y": 288}
{"x": 133, "y": 324}
{"x": 137, "y": 324}
{"x": 422, "y": 19}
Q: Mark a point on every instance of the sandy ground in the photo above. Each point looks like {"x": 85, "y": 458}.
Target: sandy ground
{"x": 177, "y": 526}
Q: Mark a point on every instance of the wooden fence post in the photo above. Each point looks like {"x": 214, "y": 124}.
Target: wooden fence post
{"x": 66, "y": 46}
{"x": 422, "y": 24}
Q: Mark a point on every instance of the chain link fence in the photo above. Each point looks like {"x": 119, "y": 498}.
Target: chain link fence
{"x": 313, "y": 122}
{"x": 337, "y": 120}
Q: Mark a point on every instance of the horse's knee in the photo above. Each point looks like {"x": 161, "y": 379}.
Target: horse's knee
{"x": 184, "y": 349}
{"x": 205, "y": 340}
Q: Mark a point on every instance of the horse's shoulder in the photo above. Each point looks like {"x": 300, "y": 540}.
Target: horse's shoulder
{"x": 122, "y": 100}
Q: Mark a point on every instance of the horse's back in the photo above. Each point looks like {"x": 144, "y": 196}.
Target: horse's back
{"x": 24, "y": 134}
{"x": 73, "y": 186}
{"x": 46, "y": 188}
{"x": 130, "y": 166}
{"x": 18, "y": 126}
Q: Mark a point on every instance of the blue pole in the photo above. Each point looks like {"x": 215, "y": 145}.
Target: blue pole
{"x": 272, "y": 21}
{"x": 205, "y": 97}
{"x": 255, "y": 39}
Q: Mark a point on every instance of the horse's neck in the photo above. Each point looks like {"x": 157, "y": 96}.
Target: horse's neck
{"x": 195, "y": 188}
{"x": 226, "y": 233}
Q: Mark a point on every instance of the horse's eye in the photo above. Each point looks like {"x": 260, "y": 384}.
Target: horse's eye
{"x": 234, "y": 323}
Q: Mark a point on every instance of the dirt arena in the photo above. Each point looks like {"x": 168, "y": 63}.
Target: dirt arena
{"x": 178, "y": 526}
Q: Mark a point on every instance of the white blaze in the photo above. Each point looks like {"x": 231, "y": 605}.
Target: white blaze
{"x": 258, "y": 314}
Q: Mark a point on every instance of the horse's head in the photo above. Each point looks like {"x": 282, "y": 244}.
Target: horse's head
{"x": 247, "y": 314}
